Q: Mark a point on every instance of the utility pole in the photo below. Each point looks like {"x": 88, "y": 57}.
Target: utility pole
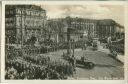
{"x": 21, "y": 34}
{"x": 69, "y": 42}
{"x": 68, "y": 21}
{"x": 22, "y": 38}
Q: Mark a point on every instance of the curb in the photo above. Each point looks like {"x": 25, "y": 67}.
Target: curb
{"x": 115, "y": 58}
{"x": 112, "y": 56}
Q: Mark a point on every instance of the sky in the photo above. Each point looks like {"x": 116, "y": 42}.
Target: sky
{"x": 115, "y": 12}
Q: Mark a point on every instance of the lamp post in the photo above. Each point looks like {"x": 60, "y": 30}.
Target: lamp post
{"x": 68, "y": 21}
{"x": 23, "y": 26}
{"x": 69, "y": 30}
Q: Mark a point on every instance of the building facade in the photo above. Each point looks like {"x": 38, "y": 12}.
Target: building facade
{"x": 22, "y": 22}
{"x": 27, "y": 23}
{"x": 92, "y": 28}
{"x": 82, "y": 28}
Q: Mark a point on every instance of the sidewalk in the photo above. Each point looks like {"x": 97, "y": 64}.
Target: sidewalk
{"x": 120, "y": 58}
{"x": 100, "y": 48}
{"x": 107, "y": 51}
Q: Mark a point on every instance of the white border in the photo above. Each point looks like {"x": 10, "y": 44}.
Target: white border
{"x": 62, "y": 3}
{"x": 126, "y": 43}
{"x": 0, "y": 33}
{"x": 66, "y": 2}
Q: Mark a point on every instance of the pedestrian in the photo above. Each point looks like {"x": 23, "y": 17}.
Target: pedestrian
{"x": 85, "y": 46}
{"x": 73, "y": 61}
{"x": 83, "y": 59}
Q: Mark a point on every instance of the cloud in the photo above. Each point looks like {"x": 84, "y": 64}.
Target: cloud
{"x": 86, "y": 11}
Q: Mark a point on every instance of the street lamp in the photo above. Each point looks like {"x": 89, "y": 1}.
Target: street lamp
{"x": 69, "y": 30}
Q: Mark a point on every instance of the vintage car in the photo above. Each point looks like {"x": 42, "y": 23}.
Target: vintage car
{"x": 94, "y": 45}
{"x": 85, "y": 63}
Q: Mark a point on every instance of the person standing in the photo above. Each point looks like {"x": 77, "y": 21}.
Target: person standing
{"x": 109, "y": 42}
{"x": 85, "y": 46}
{"x": 74, "y": 62}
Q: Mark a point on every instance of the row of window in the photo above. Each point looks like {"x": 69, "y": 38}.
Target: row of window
{"x": 9, "y": 25}
{"x": 11, "y": 19}
{"x": 106, "y": 30}
{"x": 82, "y": 23}
{"x": 29, "y": 19}
{"x": 29, "y": 22}
{"x": 9, "y": 12}
{"x": 74, "y": 25}
{"x": 26, "y": 12}
{"x": 30, "y": 12}
{"x": 81, "y": 27}
{"x": 33, "y": 18}
{"x": 34, "y": 23}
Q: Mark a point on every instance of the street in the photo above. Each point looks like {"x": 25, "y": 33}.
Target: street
{"x": 105, "y": 66}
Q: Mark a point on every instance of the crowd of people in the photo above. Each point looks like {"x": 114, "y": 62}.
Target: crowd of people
{"x": 36, "y": 67}
{"x": 38, "y": 59}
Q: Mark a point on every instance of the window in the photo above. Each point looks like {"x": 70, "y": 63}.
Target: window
{"x": 11, "y": 11}
{"x": 18, "y": 11}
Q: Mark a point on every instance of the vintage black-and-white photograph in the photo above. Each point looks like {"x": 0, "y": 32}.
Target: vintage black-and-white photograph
{"x": 64, "y": 42}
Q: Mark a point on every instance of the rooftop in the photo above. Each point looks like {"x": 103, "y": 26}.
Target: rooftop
{"x": 34, "y": 7}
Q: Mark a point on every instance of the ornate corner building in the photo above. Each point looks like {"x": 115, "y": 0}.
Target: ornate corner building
{"x": 24, "y": 21}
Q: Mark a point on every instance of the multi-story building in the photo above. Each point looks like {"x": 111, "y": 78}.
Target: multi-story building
{"x": 56, "y": 28}
{"x": 22, "y": 22}
{"x": 120, "y": 31}
{"x": 82, "y": 28}
{"x": 106, "y": 28}
{"x": 93, "y": 28}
